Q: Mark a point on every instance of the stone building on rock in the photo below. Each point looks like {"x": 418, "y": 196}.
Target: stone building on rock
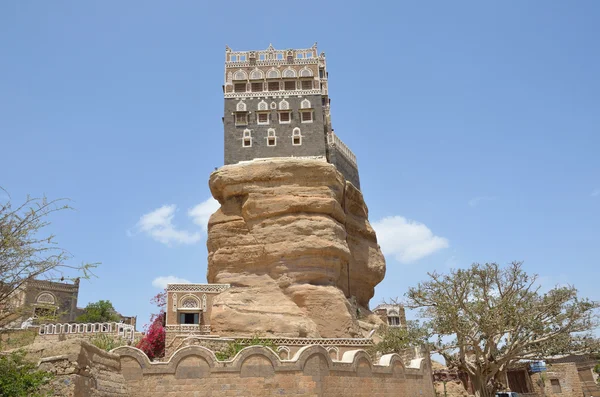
{"x": 277, "y": 105}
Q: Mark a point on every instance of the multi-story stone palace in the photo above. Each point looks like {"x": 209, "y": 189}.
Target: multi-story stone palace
{"x": 277, "y": 105}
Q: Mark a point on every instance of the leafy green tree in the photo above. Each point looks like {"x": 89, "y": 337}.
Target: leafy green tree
{"x": 21, "y": 378}
{"x": 28, "y": 251}
{"x": 396, "y": 339}
{"x": 485, "y": 318}
{"x": 99, "y": 312}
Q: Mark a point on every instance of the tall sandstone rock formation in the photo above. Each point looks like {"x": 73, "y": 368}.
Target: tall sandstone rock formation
{"x": 293, "y": 239}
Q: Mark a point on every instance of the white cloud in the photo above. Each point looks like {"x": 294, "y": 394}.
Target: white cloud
{"x": 202, "y": 212}
{"x": 158, "y": 224}
{"x": 407, "y": 240}
{"x": 162, "y": 281}
{"x": 476, "y": 200}
{"x": 595, "y": 192}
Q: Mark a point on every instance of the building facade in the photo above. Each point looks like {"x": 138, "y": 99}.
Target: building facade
{"x": 38, "y": 302}
{"x": 187, "y": 312}
{"x": 277, "y": 105}
{"x": 391, "y": 314}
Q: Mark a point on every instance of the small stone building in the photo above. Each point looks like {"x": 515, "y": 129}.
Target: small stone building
{"x": 188, "y": 310}
{"x": 40, "y": 300}
{"x": 391, "y": 314}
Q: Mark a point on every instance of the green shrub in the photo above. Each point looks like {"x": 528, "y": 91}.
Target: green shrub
{"x": 234, "y": 348}
{"x": 108, "y": 342}
{"x": 21, "y": 378}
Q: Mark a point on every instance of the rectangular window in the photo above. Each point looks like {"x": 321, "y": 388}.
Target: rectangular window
{"x": 241, "y": 118}
{"x": 247, "y": 142}
{"x": 271, "y": 141}
{"x": 307, "y": 117}
{"x": 307, "y": 84}
{"x": 284, "y": 117}
{"x": 44, "y": 313}
{"x": 239, "y": 87}
{"x": 257, "y": 87}
{"x": 189, "y": 318}
{"x": 263, "y": 118}
{"x": 555, "y": 386}
{"x": 273, "y": 85}
{"x": 394, "y": 321}
{"x": 290, "y": 85}
{"x": 296, "y": 140}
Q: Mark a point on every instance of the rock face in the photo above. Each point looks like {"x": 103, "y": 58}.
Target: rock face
{"x": 293, "y": 239}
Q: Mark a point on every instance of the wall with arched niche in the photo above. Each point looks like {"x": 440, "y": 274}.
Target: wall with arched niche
{"x": 310, "y": 372}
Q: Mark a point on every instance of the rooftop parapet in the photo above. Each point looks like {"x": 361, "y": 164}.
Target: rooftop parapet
{"x": 273, "y": 57}
{"x": 334, "y": 141}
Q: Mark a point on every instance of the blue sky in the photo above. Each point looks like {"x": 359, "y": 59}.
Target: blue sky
{"x": 475, "y": 125}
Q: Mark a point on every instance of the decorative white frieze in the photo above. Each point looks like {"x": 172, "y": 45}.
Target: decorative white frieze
{"x": 206, "y": 288}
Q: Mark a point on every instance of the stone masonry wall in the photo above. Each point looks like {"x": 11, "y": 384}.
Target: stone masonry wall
{"x": 313, "y": 134}
{"x": 347, "y": 168}
{"x": 567, "y": 376}
{"x": 80, "y": 369}
{"x": 257, "y": 371}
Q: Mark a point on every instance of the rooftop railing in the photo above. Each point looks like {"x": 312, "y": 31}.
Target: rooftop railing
{"x": 334, "y": 141}
{"x": 119, "y": 329}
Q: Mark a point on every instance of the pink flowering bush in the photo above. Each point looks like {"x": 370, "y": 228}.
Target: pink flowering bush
{"x": 153, "y": 342}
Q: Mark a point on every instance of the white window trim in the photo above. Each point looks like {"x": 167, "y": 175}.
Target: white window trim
{"x": 285, "y": 122}
{"x": 247, "y": 137}
{"x": 235, "y": 118}
{"x": 312, "y": 116}
{"x": 274, "y": 138}
{"x": 258, "y": 118}
{"x": 294, "y": 136}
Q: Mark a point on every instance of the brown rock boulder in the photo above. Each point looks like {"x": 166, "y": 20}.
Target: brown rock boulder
{"x": 293, "y": 240}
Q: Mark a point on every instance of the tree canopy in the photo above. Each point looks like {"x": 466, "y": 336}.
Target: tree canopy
{"x": 99, "y": 312}
{"x": 485, "y": 318}
{"x": 28, "y": 251}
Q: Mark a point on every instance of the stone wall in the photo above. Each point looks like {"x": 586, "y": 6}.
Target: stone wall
{"x": 345, "y": 166}
{"x": 313, "y": 134}
{"x": 565, "y": 375}
{"x": 80, "y": 369}
{"x": 258, "y": 371}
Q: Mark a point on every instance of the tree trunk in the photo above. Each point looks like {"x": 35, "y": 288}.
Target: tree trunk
{"x": 481, "y": 386}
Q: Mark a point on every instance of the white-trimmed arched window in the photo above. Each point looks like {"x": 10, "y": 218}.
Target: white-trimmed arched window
{"x": 241, "y": 106}
{"x": 305, "y": 104}
{"x": 189, "y": 302}
{"x": 273, "y": 74}
{"x": 189, "y": 309}
{"x": 306, "y": 72}
{"x": 271, "y": 137}
{"x": 46, "y": 298}
{"x": 256, "y": 74}
{"x": 263, "y": 106}
{"x": 289, "y": 73}
{"x": 247, "y": 138}
{"x": 284, "y": 105}
{"x": 240, "y": 75}
{"x": 296, "y": 137}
